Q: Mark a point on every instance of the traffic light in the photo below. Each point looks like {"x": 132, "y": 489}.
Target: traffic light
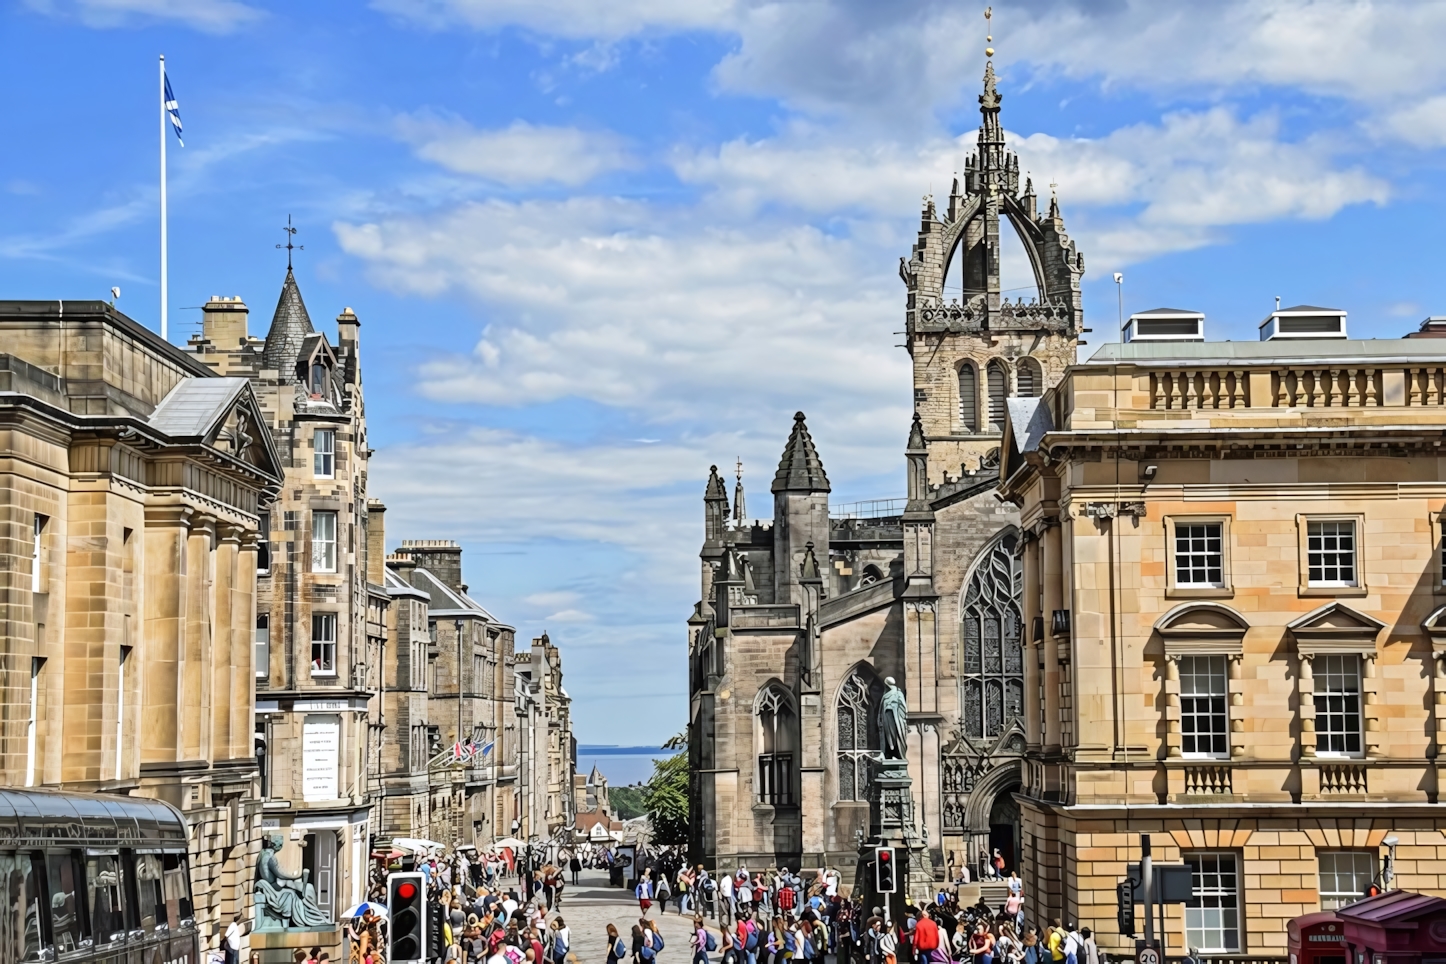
{"x": 1372, "y": 890}
{"x": 1125, "y": 897}
{"x": 406, "y": 901}
{"x": 885, "y": 879}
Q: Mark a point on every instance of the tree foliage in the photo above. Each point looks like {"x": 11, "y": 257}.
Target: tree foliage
{"x": 627, "y": 802}
{"x": 665, "y": 795}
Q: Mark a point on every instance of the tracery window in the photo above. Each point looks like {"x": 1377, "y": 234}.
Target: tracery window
{"x": 968, "y": 399}
{"x": 858, "y": 735}
{"x": 993, "y": 657}
{"x": 777, "y": 725}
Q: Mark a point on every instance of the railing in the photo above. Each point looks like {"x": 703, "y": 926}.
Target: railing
{"x": 1199, "y": 389}
{"x": 1342, "y": 778}
{"x": 1425, "y": 386}
{"x": 1326, "y": 387}
{"x": 868, "y": 509}
{"x": 1207, "y": 780}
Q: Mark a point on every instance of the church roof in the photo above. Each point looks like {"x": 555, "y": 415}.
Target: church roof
{"x": 289, "y": 328}
{"x": 800, "y": 469}
{"x": 716, "y": 491}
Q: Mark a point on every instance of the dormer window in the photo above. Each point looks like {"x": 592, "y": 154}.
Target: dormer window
{"x": 318, "y": 379}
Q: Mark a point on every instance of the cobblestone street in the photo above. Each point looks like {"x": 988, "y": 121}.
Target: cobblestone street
{"x": 591, "y": 905}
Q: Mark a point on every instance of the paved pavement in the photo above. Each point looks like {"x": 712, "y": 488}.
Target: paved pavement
{"x": 589, "y": 906}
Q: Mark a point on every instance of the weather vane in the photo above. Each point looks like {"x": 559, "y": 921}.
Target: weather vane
{"x": 290, "y": 233}
{"x": 740, "y": 469}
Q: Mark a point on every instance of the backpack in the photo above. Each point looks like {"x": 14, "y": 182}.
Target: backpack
{"x": 620, "y": 950}
{"x": 710, "y": 942}
{"x": 789, "y": 944}
{"x": 648, "y": 951}
{"x": 657, "y": 941}
{"x": 1031, "y": 954}
{"x": 750, "y": 943}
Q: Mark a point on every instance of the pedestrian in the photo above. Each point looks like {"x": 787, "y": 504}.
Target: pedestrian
{"x": 662, "y": 892}
{"x": 1055, "y": 941}
{"x": 1091, "y": 950}
{"x": 575, "y": 866}
{"x": 998, "y": 864}
{"x": 726, "y": 898}
{"x": 981, "y": 945}
{"x": 232, "y": 944}
{"x": 1031, "y": 946}
{"x": 644, "y": 892}
{"x": 617, "y": 950}
{"x": 926, "y": 938}
{"x": 561, "y": 941}
{"x": 1072, "y": 944}
{"x": 637, "y": 948}
{"x": 699, "y": 941}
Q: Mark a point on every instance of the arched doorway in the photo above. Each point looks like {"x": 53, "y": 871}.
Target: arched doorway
{"x": 991, "y": 817}
{"x": 1004, "y": 827}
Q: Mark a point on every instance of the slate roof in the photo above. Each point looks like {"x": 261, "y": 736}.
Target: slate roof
{"x": 445, "y": 600}
{"x": 289, "y": 328}
{"x": 800, "y": 469}
{"x": 1169, "y": 311}
{"x": 1030, "y": 420}
{"x": 194, "y": 406}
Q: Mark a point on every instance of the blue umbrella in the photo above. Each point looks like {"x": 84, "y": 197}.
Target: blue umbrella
{"x": 367, "y": 905}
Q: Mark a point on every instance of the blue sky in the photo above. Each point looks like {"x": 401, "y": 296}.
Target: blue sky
{"x": 596, "y": 247}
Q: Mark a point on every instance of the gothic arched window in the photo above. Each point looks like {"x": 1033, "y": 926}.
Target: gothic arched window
{"x": 993, "y": 664}
{"x": 1030, "y": 378}
{"x": 968, "y": 399}
{"x": 998, "y": 384}
{"x": 777, "y": 728}
{"x": 858, "y": 734}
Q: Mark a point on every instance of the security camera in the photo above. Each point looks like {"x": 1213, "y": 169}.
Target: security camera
{"x": 1392, "y": 840}
{"x": 1149, "y": 471}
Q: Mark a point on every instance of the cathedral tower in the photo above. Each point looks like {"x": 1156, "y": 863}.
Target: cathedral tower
{"x": 973, "y": 352}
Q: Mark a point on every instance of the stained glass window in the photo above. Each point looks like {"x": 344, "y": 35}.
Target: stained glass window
{"x": 993, "y": 657}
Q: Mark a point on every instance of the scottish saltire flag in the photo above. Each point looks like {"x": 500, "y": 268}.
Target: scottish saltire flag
{"x": 173, "y": 110}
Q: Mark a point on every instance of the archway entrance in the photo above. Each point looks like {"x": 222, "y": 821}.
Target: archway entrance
{"x": 1004, "y": 827}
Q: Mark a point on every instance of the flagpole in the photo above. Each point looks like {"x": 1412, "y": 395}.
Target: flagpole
{"x": 163, "y": 197}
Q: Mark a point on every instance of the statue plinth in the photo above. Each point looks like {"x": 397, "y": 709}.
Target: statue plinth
{"x": 279, "y": 946}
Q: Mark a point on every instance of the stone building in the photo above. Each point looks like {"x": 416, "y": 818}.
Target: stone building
{"x": 547, "y": 750}
{"x": 1234, "y": 553}
{"x": 315, "y": 672}
{"x": 133, "y": 481}
{"x": 802, "y": 617}
{"x": 467, "y": 797}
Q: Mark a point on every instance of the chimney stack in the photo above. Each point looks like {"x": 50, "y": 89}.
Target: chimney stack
{"x": 376, "y": 542}
{"x": 223, "y": 322}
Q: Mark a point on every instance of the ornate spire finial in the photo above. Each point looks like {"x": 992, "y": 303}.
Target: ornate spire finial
{"x": 988, "y": 30}
{"x": 290, "y": 233}
{"x": 740, "y": 512}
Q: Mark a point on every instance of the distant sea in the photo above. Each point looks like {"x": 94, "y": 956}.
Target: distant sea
{"x": 622, "y": 765}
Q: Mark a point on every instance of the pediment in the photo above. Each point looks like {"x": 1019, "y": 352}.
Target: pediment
{"x": 1335, "y": 627}
{"x": 242, "y": 432}
{"x": 1202, "y": 627}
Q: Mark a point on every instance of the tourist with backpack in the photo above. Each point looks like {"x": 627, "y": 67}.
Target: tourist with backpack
{"x": 652, "y": 940}
{"x": 644, "y": 891}
{"x": 617, "y": 950}
{"x": 702, "y": 942}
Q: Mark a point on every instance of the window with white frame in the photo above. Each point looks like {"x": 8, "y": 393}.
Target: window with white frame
{"x": 323, "y": 541}
{"x": 1331, "y": 553}
{"x": 1338, "y": 704}
{"x": 35, "y": 551}
{"x": 323, "y": 453}
{"x": 1204, "y": 721}
{"x": 263, "y": 646}
{"x": 1199, "y": 554}
{"x": 1344, "y": 876}
{"x": 323, "y": 644}
{"x": 1212, "y": 915}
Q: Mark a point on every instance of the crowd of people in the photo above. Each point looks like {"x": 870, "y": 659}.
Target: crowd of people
{"x": 497, "y": 910}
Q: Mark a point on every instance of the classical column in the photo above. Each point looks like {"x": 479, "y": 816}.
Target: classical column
{"x": 243, "y": 652}
{"x": 163, "y": 653}
{"x": 195, "y": 677}
{"x": 1237, "y": 700}
{"x": 1305, "y": 694}
{"x": 1172, "y": 704}
{"x": 1053, "y": 580}
{"x": 223, "y": 668}
{"x": 1371, "y": 723}
{"x": 1033, "y": 624}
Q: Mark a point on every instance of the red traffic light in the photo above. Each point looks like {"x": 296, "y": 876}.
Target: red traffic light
{"x": 885, "y": 856}
{"x": 406, "y": 890}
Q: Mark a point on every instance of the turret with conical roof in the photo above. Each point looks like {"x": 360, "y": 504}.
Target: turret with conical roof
{"x": 800, "y": 469}
{"x": 289, "y": 328}
{"x": 800, "y": 511}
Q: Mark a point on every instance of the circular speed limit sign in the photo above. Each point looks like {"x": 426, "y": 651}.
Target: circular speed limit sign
{"x": 1147, "y": 955}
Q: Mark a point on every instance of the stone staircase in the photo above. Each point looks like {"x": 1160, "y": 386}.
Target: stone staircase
{"x": 994, "y": 893}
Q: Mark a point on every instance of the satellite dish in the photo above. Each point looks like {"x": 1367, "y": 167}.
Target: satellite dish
{"x": 114, "y": 294}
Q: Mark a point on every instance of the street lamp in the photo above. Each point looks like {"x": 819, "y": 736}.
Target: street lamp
{"x": 1390, "y": 873}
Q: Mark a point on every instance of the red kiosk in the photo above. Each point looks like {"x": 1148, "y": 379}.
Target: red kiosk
{"x": 1317, "y": 939}
{"x": 1397, "y": 927}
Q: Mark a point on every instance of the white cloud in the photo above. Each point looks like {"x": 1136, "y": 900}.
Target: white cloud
{"x": 517, "y": 155}
{"x": 569, "y": 616}
{"x": 1422, "y": 124}
{"x": 580, "y": 19}
{"x": 208, "y": 16}
{"x": 546, "y": 600}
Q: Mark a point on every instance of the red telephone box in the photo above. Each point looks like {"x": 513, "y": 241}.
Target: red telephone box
{"x": 1397, "y": 927}
{"x": 1318, "y": 939}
